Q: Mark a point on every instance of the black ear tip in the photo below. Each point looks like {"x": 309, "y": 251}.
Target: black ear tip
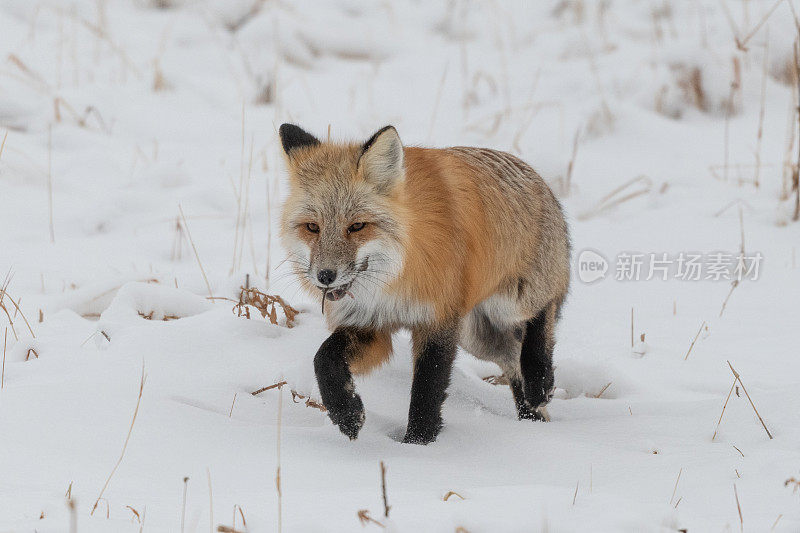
{"x": 293, "y": 136}
{"x": 377, "y": 134}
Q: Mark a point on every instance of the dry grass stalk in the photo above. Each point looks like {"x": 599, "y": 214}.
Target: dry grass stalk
{"x": 241, "y": 513}
{"x": 3, "y": 295}
{"x": 675, "y": 488}
{"x": 278, "y": 457}
{"x": 149, "y": 316}
{"x": 35, "y": 76}
{"x": 437, "y": 101}
{"x": 183, "y": 507}
{"x": 50, "y": 181}
{"x": 694, "y": 340}
{"x": 739, "y": 379}
{"x": 230, "y": 414}
{"x": 273, "y": 386}
{"x": 135, "y": 513}
{"x": 81, "y": 119}
{"x": 3, "y": 374}
{"x": 741, "y": 44}
{"x": 791, "y": 131}
{"x": 734, "y": 284}
{"x": 177, "y": 243}
{"x": 616, "y": 196}
{"x": 738, "y": 508}
{"x": 73, "y": 515}
{"x": 607, "y": 385}
{"x": 794, "y": 483}
{"x": 780, "y": 515}
{"x": 607, "y": 114}
{"x": 724, "y": 406}
{"x": 575, "y": 496}
{"x": 239, "y": 193}
{"x": 796, "y": 170}
{"x": 308, "y": 401}
{"x": 631, "y": 327}
{"x": 691, "y": 83}
{"x": 227, "y": 529}
{"x": 295, "y": 396}
{"x": 32, "y": 352}
{"x": 101, "y": 34}
{"x": 365, "y": 518}
{"x": 576, "y": 141}
{"x": 194, "y": 248}
{"x": 3, "y": 289}
{"x": 386, "y": 505}
{"x": 760, "y": 132}
{"x": 729, "y": 110}
{"x": 449, "y": 494}
{"x": 3, "y": 144}
{"x": 124, "y": 446}
{"x": 266, "y": 305}
{"x": 738, "y": 450}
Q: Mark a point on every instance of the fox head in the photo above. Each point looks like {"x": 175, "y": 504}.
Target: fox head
{"x": 342, "y": 222}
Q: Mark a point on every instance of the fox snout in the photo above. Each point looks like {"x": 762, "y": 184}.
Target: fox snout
{"x": 326, "y": 276}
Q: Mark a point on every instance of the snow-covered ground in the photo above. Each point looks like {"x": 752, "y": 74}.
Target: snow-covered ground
{"x": 121, "y": 113}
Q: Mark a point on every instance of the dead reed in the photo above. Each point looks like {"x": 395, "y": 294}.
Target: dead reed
{"x": 266, "y": 304}
{"x": 739, "y": 379}
{"x": 675, "y": 488}
{"x": 738, "y": 508}
{"x": 183, "y": 506}
{"x": 50, "y": 181}
{"x": 724, "y": 406}
{"x": 3, "y": 374}
{"x": 278, "y": 459}
{"x": 695, "y": 340}
{"x": 386, "y": 506}
{"x": 194, "y": 248}
{"x": 124, "y": 446}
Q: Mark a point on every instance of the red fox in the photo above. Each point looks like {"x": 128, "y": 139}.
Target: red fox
{"x": 462, "y": 246}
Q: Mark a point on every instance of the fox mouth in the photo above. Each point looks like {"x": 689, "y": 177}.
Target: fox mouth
{"x": 337, "y": 293}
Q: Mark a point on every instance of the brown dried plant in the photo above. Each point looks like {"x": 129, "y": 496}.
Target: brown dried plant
{"x": 266, "y": 304}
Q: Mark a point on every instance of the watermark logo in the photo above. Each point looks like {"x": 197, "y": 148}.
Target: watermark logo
{"x": 591, "y": 266}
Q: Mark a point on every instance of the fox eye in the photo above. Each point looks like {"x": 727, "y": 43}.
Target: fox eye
{"x": 312, "y": 227}
{"x": 358, "y": 226}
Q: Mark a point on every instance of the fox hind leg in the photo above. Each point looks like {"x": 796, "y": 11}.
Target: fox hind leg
{"x": 487, "y": 337}
{"x": 536, "y": 362}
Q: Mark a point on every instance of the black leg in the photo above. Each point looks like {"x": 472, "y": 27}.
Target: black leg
{"x": 536, "y": 361}
{"x": 336, "y": 382}
{"x": 434, "y": 353}
{"x": 524, "y": 411}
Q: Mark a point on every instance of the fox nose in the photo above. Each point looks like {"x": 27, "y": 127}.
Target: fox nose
{"x": 326, "y": 276}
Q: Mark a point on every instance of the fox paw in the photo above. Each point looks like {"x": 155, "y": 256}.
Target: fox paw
{"x": 422, "y": 434}
{"x": 349, "y": 416}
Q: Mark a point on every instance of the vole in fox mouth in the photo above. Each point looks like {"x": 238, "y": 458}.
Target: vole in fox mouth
{"x": 462, "y": 246}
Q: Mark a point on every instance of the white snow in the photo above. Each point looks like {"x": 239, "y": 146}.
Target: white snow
{"x": 130, "y": 111}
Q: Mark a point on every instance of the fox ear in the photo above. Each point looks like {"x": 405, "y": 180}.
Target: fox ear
{"x": 382, "y": 159}
{"x": 293, "y": 137}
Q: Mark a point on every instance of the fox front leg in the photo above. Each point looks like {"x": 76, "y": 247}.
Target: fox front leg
{"x": 332, "y": 367}
{"x": 434, "y": 352}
